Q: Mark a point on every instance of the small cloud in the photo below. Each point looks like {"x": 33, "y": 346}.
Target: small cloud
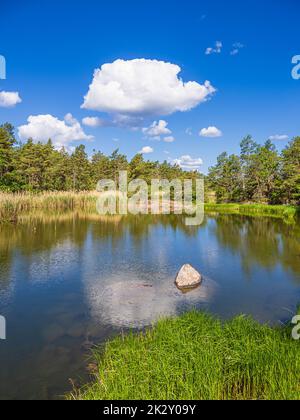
{"x": 169, "y": 139}
{"x": 234, "y": 52}
{"x": 279, "y": 137}
{"x": 238, "y": 45}
{"x": 146, "y": 150}
{"x": 236, "y": 48}
{"x": 211, "y": 132}
{"x": 157, "y": 129}
{"x": 188, "y": 163}
{"x": 166, "y": 152}
{"x": 189, "y": 131}
{"x": 216, "y": 50}
{"x": 9, "y": 99}
{"x": 95, "y": 122}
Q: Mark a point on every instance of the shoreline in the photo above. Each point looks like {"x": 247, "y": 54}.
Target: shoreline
{"x": 289, "y": 213}
{"x": 14, "y": 205}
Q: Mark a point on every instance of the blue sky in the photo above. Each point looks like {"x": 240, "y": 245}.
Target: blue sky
{"x": 52, "y": 49}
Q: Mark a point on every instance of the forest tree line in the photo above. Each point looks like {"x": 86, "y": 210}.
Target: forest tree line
{"x": 37, "y": 167}
{"x": 258, "y": 174}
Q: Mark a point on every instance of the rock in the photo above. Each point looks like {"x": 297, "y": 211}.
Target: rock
{"x": 188, "y": 277}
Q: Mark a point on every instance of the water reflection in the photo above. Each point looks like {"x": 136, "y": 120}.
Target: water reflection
{"x": 261, "y": 241}
{"x": 132, "y": 304}
{"x": 68, "y": 282}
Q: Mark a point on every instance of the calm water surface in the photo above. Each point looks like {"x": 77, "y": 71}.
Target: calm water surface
{"x": 70, "y": 282}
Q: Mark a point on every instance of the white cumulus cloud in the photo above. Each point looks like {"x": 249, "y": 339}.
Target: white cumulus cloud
{"x": 143, "y": 87}
{"x": 146, "y": 150}
{"x": 188, "y": 163}
{"x": 279, "y": 137}
{"x": 45, "y": 127}
{"x": 210, "y": 132}
{"x": 9, "y": 99}
{"x": 157, "y": 129}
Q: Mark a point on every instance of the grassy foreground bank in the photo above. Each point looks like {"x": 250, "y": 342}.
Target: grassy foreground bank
{"x": 12, "y": 206}
{"x": 197, "y": 356}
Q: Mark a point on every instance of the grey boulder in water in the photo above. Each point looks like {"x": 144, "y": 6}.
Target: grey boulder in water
{"x": 188, "y": 277}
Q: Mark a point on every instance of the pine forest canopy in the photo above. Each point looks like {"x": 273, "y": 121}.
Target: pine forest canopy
{"x": 258, "y": 174}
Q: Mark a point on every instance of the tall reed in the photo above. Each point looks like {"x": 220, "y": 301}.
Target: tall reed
{"x": 12, "y": 206}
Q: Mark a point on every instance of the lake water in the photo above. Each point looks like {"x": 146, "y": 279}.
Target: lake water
{"x": 70, "y": 282}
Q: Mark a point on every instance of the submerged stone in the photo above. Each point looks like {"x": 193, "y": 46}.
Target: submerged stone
{"x": 188, "y": 277}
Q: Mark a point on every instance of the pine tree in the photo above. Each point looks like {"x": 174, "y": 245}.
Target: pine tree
{"x": 290, "y": 187}
{"x": 7, "y": 142}
{"x": 100, "y": 167}
{"x": 264, "y": 166}
{"x": 81, "y": 170}
{"x": 226, "y": 178}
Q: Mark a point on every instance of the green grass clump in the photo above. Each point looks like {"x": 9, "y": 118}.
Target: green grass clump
{"x": 196, "y": 356}
{"x": 288, "y": 213}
